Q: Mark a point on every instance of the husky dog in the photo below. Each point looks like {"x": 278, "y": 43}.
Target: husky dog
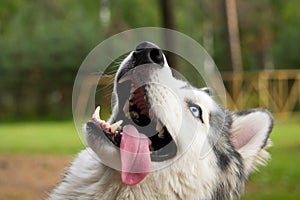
{"x": 165, "y": 139}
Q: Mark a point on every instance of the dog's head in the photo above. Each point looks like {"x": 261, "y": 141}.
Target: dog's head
{"x": 158, "y": 118}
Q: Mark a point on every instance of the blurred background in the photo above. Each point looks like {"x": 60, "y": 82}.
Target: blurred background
{"x": 255, "y": 44}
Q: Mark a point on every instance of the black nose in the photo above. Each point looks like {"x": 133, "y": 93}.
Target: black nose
{"x": 148, "y": 53}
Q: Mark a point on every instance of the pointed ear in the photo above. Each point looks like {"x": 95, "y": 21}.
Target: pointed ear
{"x": 250, "y": 132}
{"x": 208, "y": 90}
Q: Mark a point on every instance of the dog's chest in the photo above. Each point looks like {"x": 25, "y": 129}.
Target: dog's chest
{"x": 159, "y": 185}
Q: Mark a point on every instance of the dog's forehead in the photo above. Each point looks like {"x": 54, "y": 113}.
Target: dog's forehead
{"x": 199, "y": 97}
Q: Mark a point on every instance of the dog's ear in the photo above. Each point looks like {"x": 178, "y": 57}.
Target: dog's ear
{"x": 250, "y": 132}
{"x": 208, "y": 90}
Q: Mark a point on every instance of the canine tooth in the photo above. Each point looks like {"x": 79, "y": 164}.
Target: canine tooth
{"x": 160, "y": 129}
{"x": 127, "y": 114}
{"x": 134, "y": 115}
{"x": 132, "y": 89}
{"x": 161, "y": 134}
{"x": 96, "y": 114}
{"x": 124, "y": 78}
{"x": 131, "y": 103}
{"x": 115, "y": 126}
{"x": 126, "y": 109}
{"x": 159, "y": 126}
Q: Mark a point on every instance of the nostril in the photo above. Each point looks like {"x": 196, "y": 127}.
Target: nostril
{"x": 147, "y": 53}
{"x": 156, "y": 56}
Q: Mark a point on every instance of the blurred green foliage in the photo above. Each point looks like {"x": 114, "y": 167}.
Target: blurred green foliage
{"x": 43, "y": 42}
{"x": 46, "y": 34}
{"x": 42, "y": 46}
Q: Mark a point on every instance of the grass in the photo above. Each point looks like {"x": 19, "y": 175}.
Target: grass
{"x": 39, "y": 137}
{"x": 280, "y": 179}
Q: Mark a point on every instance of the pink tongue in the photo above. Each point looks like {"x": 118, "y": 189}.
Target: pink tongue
{"x": 135, "y": 156}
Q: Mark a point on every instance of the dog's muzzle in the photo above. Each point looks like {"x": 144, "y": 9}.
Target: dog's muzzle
{"x": 135, "y": 129}
{"x": 145, "y": 53}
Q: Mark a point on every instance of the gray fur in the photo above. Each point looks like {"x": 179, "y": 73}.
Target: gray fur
{"x": 220, "y": 174}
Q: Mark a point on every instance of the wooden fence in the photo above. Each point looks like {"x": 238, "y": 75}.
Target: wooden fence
{"x": 278, "y": 90}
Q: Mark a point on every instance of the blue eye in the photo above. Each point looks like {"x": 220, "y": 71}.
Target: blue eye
{"x": 195, "y": 111}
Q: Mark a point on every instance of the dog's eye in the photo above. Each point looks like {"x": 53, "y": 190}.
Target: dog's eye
{"x": 196, "y": 111}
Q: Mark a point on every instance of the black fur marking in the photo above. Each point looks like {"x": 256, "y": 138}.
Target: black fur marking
{"x": 219, "y": 193}
{"x": 223, "y": 159}
{"x": 221, "y": 139}
{"x": 229, "y": 186}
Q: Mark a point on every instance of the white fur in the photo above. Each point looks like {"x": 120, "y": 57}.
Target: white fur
{"x": 257, "y": 125}
{"x": 189, "y": 175}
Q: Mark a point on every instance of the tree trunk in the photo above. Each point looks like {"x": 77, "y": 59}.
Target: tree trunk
{"x": 169, "y": 21}
{"x": 233, "y": 33}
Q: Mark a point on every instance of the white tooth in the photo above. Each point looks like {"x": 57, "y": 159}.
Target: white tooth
{"x": 115, "y": 126}
{"x": 96, "y": 114}
{"x": 134, "y": 115}
{"x": 132, "y": 89}
{"x": 161, "y": 134}
{"x": 124, "y": 78}
{"x": 126, "y": 109}
{"x": 160, "y": 129}
{"x": 159, "y": 126}
{"x": 127, "y": 114}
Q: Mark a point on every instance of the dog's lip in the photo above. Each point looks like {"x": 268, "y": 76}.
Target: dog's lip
{"x": 125, "y": 73}
{"x": 151, "y": 125}
{"x": 161, "y": 148}
{"x": 168, "y": 151}
{"x": 127, "y": 76}
{"x": 163, "y": 153}
{"x": 123, "y": 77}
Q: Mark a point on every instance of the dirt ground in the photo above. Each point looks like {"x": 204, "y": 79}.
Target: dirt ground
{"x": 30, "y": 176}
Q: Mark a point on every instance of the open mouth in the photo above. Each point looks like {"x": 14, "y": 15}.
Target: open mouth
{"x": 137, "y": 129}
{"x": 161, "y": 144}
